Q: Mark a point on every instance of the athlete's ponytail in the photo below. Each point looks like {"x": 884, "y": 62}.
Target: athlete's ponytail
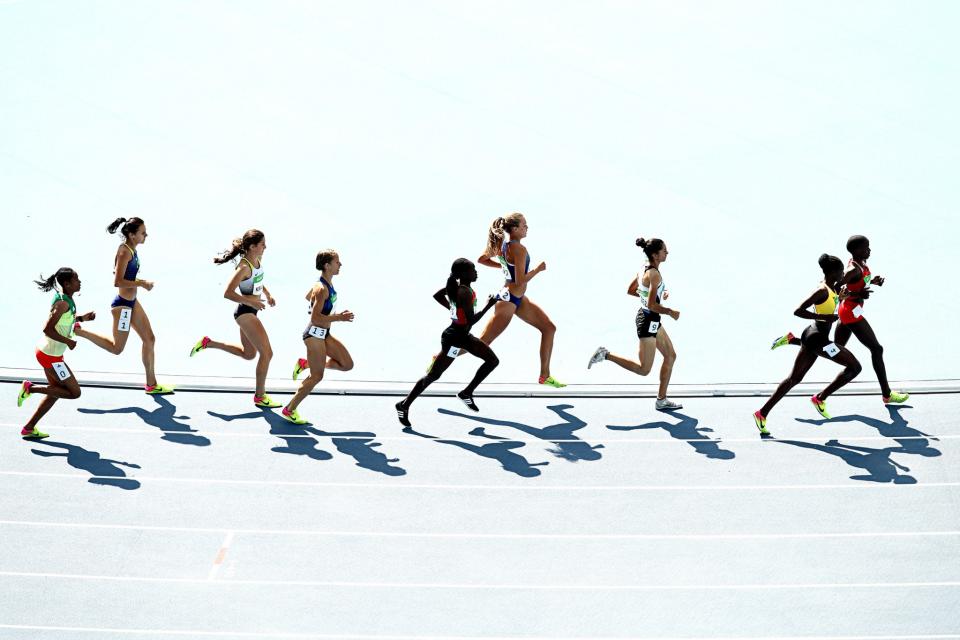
{"x": 240, "y": 246}
{"x": 459, "y": 271}
{"x": 651, "y": 246}
{"x": 130, "y": 226}
{"x": 61, "y": 278}
{"x": 829, "y": 263}
{"x": 499, "y": 230}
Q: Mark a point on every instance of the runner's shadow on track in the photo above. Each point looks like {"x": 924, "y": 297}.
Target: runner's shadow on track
{"x": 687, "y": 431}
{"x": 105, "y": 471}
{"x": 567, "y": 446}
{"x": 911, "y": 440}
{"x": 877, "y": 462}
{"x": 300, "y": 441}
{"x": 163, "y": 418}
{"x": 500, "y": 450}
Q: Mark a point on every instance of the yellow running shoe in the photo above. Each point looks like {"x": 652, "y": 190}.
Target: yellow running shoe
{"x": 820, "y": 406}
{"x": 24, "y": 392}
{"x": 782, "y": 340}
{"x": 550, "y": 381}
{"x": 299, "y": 367}
{"x": 293, "y": 416}
{"x": 157, "y": 390}
{"x": 34, "y": 434}
{"x": 761, "y": 423}
{"x": 896, "y": 397}
{"x": 266, "y": 402}
{"x": 200, "y": 346}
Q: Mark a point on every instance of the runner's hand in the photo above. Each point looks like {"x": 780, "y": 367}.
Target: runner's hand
{"x": 346, "y": 316}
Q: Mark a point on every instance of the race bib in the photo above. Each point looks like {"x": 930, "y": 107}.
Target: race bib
{"x": 857, "y": 311}
{"x": 654, "y": 327}
{"x": 453, "y": 352}
{"x": 123, "y": 322}
{"x": 317, "y": 332}
{"x": 506, "y": 268}
{"x": 831, "y": 350}
{"x": 504, "y": 294}
{"x": 61, "y": 370}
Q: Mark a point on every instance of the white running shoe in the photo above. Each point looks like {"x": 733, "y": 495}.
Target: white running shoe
{"x": 598, "y": 356}
{"x": 667, "y": 405}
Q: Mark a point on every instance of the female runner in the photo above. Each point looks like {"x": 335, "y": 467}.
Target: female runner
{"x": 245, "y": 288}
{"x": 127, "y": 311}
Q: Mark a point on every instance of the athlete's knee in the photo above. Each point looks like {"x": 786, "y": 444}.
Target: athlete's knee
{"x": 266, "y": 354}
{"x": 876, "y": 350}
{"x": 315, "y": 376}
{"x": 854, "y": 369}
{"x": 493, "y": 361}
{"x": 669, "y": 358}
{"x": 73, "y": 393}
{"x": 249, "y": 353}
{"x": 549, "y": 328}
{"x": 149, "y": 338}
{"x": 644, "y": 369}
{"x": 346, "y": 364}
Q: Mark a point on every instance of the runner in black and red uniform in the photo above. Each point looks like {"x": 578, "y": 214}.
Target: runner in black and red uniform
{"x": 856, "y": 280}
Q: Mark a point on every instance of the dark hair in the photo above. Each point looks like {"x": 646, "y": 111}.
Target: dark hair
{"x": 651, "y": 246}
{"x": 240, "y": 246}
{"x": 855, "y": 242}
{"x": 61, "y": 277}
{"x": 829, "y": 263}
{"x": 130, "y": 226}
{"x": 324, "y": 258}
{"x": 459, "y": 270}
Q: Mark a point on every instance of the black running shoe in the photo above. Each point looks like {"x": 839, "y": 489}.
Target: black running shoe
{"x": 468, "y": 400}
{"x": 402, "y": 414}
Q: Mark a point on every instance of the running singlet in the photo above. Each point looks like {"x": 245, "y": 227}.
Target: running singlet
{"x": 133, "y": 266}
{"x": 64, "y": 327}
{"x": 829, "y": 306}
{"x": 252, "y": 286}
{"x": 312, "y": 330}
{"x": 458, "y": 315}
{"x": 331, "y": 300}
{"x": 851, "y": 308}
{"x": 509, "y": 269}
{"x": 645, "y": 290}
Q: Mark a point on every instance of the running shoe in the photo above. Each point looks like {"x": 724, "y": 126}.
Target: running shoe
{"x": 782, "y": 340}
{"x": 157, "y": 390}
{"x": 761, "y": 423}
{"x": 293, "y": 416}
{"x": 896, "y": 397}
{"x": 34, "y": 434}
{"x": 665, "y": 404}
{"x": 598, "y": 356}
{"x": 402, "y": 414}
{"x": 820, "y": 406}
{"x": 468, "y": 400}
{"x": 550, "y": 381}
{"x": 266, "y": 402}
{"x": 300, "y": 366}
{"x": 200, "y": 346}
{"x": 24, "y": 392}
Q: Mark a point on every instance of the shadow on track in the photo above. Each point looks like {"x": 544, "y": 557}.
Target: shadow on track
{"x": 567, "y": 446}
{"x": 163, "y": 418}
{"x": 687, "y": 431}
{"x": 299, "y": 440}
{"x": 500, "y": 450}
{"x": 911, "y": 440}
{"x": 91, "y": 462}
{"x": 877, "y": 462}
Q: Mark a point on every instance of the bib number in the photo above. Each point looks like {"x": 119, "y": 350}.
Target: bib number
{"x": 505, "y": 268}
{"x": 123, "y": 322}
{"x": 831, "y": 350}
{"x": 453, "y": 352}
{"x": 504, "y": 294}
{"x": 857, "y": 311}
{"x": 654, "y": 327}
{"x": 317, "y": 332}
{"x": 61, "y": 370}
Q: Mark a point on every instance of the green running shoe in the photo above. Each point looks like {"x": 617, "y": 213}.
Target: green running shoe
{"x": 782, "y": 340}
{"x": 550, "y": 381}
{"x": 200, "y": 346}
{"x": 299, "y": 367}
{"x": 158, "y": 390}
{"x": 820, "y": 406}
{"x": 896, "y": 397}
{"x": 761, "y": 423}
{"x": 266, "y": 402}
{"x": 24, "y": 392}
{"x": 293, "y": 416}
{"x": 33, "y": 434}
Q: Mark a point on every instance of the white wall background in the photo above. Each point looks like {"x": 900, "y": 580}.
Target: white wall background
{"x": 752, "y": 136}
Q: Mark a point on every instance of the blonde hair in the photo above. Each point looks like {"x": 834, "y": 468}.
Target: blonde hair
{"x": 500, "y": 228}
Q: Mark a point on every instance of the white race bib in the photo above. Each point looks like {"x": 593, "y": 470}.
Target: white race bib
{"x": 317, "y": 332}
{"x": 453, "y": 352}
{"x": 857, "y": 311}
{"x": 506, "y": 268}
{"x": 123, "y": 322}
{"x": 504, "y": 294}
{"x": 61, "y": 370}
{"x": 831, "y": 349}
{"x": 654, "y": 327}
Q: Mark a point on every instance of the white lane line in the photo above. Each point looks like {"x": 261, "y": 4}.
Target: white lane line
{"x": 487, "y": 587}
{"x": 322, "y": 636}
{"x": 221, "y": 556}
{"x": 139, "y": 431}
{"x": 483, "y": 487}
{"x": 489, "y": 536}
